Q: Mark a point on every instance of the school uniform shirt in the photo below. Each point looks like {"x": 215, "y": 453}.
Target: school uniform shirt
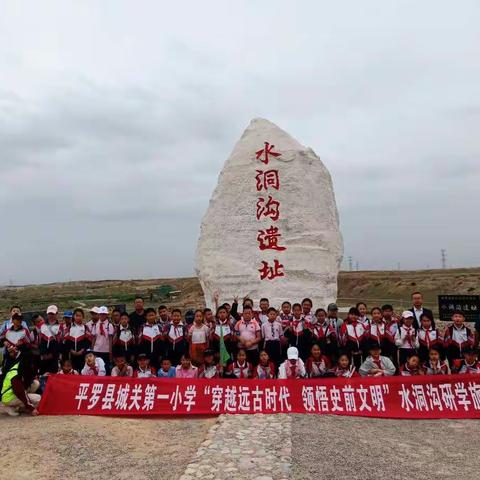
{"x": 247, "y": 331}
{"x": 90, "y": 325}
{"x": 317, "y": 368}
{"x": 77, "y": 337}
{"x": 348, "y": 372}
{"x": 298, "y": 327}
{"x": 440, "y": 368}
{"x": 418, "y": 313}
{"x": 150, "y": 336}
{"x": 169, "y": 374}
{"x": 199, "y": 335}
{"x": 101, "y": 333}
{"x": 18, "y": 337}
{"x": 148, "y": 372}
{"x": 262, "y": 318}
{"x": 287, "y": 370}
{"x": 71, "y": 372}
{"x": 128, "y": 372}
{"x": 285, "y": 319}
{"x": 271, "y": 332}
{"x": 7, "y": 324}
{"x": 191, "y": 372}
{"x": 264, "y": 372}
{"x": 352, "y": 335}
{"x": 210, "y": 371}
{"x": 377, "y": 332}
{"x": 243, "y": 370}
{"x": 336, "y": 323}
{"x": 125, "y": 339}
{"x": 405, "y": 371}
{"x": 224, "y": 328}
{"x": 429, "y": 338}
{"x": 406, "y": 337}
{"x": 35, "y": 334}
{"x": 309, "y": 319}
{"x": 98, "y": 369}
{"x": 458, "y": 337}
{"x": 324, "y": 333}
{"x": 49, "y": 337}
{"x": 62, "y": 331}
{"x": 391, "y": 329}
{"x": 365, "y": 321}
{"x": 383, "y": 363}
{"x": 175, "y": 334}
{"x": 470, "y": 368}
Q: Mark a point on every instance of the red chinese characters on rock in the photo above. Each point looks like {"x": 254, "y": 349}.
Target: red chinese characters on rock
{"x": 268, "y": 208}
{"x": 267, "y": 179}
{"x": 268, "y": 238}
{"x": 268, "y": 272}
{"x": 265, "y": 152}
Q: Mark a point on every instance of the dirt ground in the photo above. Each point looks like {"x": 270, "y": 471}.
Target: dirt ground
{"x": 78, "y": 448}
{"x": 328, "y": 447}
{"x": 331, "y": 447}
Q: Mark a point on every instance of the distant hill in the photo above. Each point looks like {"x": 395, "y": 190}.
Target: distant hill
{"x": 373, "y": 287}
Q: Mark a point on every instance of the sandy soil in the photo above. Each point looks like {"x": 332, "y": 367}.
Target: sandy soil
{"x": 98, "y": 447}
{"x": 332, "y": 447}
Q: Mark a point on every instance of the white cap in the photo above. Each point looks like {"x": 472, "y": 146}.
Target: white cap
{"x": 407, "y": 314}
{"x": 94, "y": 310}
{"x": 103, "y": 310}
{"x": 292, "y": 353}
{"x": 52, "y": 309}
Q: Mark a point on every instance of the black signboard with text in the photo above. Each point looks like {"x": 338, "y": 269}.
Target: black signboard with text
{"x": 468, "y": 304}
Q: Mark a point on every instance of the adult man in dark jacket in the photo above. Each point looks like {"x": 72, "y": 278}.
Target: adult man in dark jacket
{"x": 418, "y": 310}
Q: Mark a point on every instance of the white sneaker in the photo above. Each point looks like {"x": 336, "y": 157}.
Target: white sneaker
{"x": 13, "y": 412}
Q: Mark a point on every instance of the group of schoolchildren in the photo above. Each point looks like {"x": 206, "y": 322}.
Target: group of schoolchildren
{"x": 293, "y": 342}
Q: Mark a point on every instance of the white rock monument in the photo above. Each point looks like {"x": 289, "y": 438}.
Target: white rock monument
{"x": 271, "y": 229}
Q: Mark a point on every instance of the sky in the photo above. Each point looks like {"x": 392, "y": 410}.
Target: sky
{"x": 117, "y": 116}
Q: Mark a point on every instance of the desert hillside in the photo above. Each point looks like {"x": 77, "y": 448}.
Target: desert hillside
{"x": 374, "y": 287}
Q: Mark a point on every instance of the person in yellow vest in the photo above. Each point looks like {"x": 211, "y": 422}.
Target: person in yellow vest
{"x": 18, "y": 381}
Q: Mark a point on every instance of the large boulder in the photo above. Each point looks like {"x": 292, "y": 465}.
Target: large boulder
{"x": 271, "y": 229}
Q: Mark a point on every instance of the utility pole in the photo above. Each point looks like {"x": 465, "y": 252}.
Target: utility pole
{"x": 398, "y": 266}
{"x": 350, "y": 263}
{"x": 356, "y": 265}
{"x": 444, "y": 258}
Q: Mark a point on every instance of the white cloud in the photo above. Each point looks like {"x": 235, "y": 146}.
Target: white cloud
{"x": 115, "y": 119}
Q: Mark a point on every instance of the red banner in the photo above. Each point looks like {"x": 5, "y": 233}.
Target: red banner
{"x": 442, "y": 396}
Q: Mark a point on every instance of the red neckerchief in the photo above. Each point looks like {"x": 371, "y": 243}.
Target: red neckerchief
{"x": 427, "y": 337}
{"x": 380, "y": 335}
{"x": 409, "y": 335}
{"x": 323, "y": 331}
{"x": 266, "y": 369}
{"x": 241, "y": 369}
{"x": 102, "y": 328}
{"x": 354, "y": 324}
{"x": 292, "y": 370}
{"x": 378, "y": 362}
{"x": 437, "y": 368}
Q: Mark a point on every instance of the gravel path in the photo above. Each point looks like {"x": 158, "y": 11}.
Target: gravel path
{"x": 243, "y": 447}
{"x": 101, "y": 448}
{"x": 332, "y": 447}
